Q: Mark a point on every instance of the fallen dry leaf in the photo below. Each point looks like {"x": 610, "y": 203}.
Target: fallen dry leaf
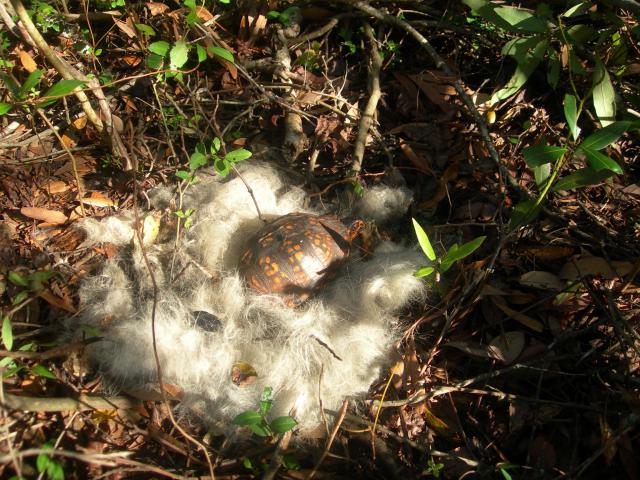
{"x": 156, "y": 8}
{"x": 507, "y": 347}
{"x": 127, "y": 29}
{"x": 525, "y": 320}
{"x": 56, "y": 186}
{"x": 98, "y": 201}
{"x": 50, "y": 216}
{"x": 542, "y": 280}
{"x": 580, "y": 267}
{"x": 27, "y": 61}
{"x": 57, "y": 302}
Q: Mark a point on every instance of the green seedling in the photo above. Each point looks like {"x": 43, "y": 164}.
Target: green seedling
{"x": 258, "y": 422}
{"x": 442, "y": 264}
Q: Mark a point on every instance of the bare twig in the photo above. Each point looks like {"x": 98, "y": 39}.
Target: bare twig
{"x": 332, "y": 437}
{"x": 66, "y": 404}
{"x": 366, "y": 120}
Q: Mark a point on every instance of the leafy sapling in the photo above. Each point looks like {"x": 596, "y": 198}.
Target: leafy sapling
{"x": 442, "y": 264}
{"x": 258, "y": 422}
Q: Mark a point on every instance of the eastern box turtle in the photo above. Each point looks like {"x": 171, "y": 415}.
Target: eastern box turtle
{"x": 294, "y": 254}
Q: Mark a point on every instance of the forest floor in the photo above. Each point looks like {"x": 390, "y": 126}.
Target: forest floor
{"x": 524, "y": 361}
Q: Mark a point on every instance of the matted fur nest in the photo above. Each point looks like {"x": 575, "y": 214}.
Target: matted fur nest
{"x": 331, "y": 348}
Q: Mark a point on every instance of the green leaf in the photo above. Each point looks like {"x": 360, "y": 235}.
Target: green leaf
{"x": 55, "y": 471}
{"x": 553, "y": 68}
{"x": 60, "y": 89}
{"x": 605, "y": 136}
{"x": 5, "y": 108}
{"x": 197, "y": 160}
{"x": 260, "y": 429}
{"x": 42, "y": 461}
{"x": 145, "y": 29}
{"x": 283, "y": 424}
{"x": 457, "y": 254}
{"x": 222, "y": 53}
{"x": 424, "y": 272}
{"x": 160, "y": 48}
{"x": 7, "y": 332}
{"x": 20, "y": 297}
{"x": 599, "y": 161}
{"x": 541, "y": 173}
{"x": 523, "y": 213}
{"x": 202, "y": 53}
{"x": 582, "y": 178}
{"x": 247, "y": 418}
{"x": 238, "y": 155}
{"x": 423, "y": 240}
{"x": 190, "y": 4}
{"x": 154, "y": 61}
{"x": 604, "y": 98}
{"x": 579, "y": 9}
{"x": 527, "y": 63}
{"x": 17, "y": 279}
{"x": 266, "y": 400}
{"x": 521, "y": 20}
{"x": 507, "y": 18}
{"x": 10, "y": 84}
{"x": 571, "y": 115}
{"x": 7, "y": 362}
{"x": 221, "y": 166}
{"x": 36, "y": 279}
{"x": 32, "y": 80}
{"x": 541, "y": 154}
{"x": 89, "y": 331}
{"x": 183, "y": 175}
{"x": 273, "y": 15}
{"x": 290, "y": 462}
{"x": 215, "y": 145}
{"x": 179, "y": 55}
{"x": 42, "y": 371}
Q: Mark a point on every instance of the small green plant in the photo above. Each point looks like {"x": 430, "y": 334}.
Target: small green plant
{"x": 560, "y": 41}
{"x": 28, "y": 91}
{"x": 434, "y": 468}
{"x": 4, "y": 47}
{"x": 48, "y": 465}
{"x": 222, "y": 164}
{"x": 186, "y": 216}
{"x": 258, "y": 422}
{"x": 163, "y": 55}
{"x": 283, "y": 17}
{"x": 46, "y": 17}
{"x": 109, "y": 4}
{"x": 31, "y": 283}
{"x": 548, "y": 161}
{"x": 310, "y": 59}
{"x": 444, "y": 263}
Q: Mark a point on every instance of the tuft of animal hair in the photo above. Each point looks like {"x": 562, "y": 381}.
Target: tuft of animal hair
{"x": 332, "y": 347}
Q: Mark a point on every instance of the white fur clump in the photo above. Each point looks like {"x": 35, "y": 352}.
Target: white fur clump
{"x": 331, "y": 348}
{"x": 383, "y": 203}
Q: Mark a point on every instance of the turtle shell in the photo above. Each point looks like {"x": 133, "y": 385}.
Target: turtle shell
{"x": 294, "y": 254}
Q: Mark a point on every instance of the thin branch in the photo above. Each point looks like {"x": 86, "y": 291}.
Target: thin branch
{"x": 366, "y": 120}
{"x": 66, "y": 404}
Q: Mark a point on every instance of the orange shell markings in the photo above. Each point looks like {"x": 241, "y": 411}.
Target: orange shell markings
{"x": 294, "y": 254}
